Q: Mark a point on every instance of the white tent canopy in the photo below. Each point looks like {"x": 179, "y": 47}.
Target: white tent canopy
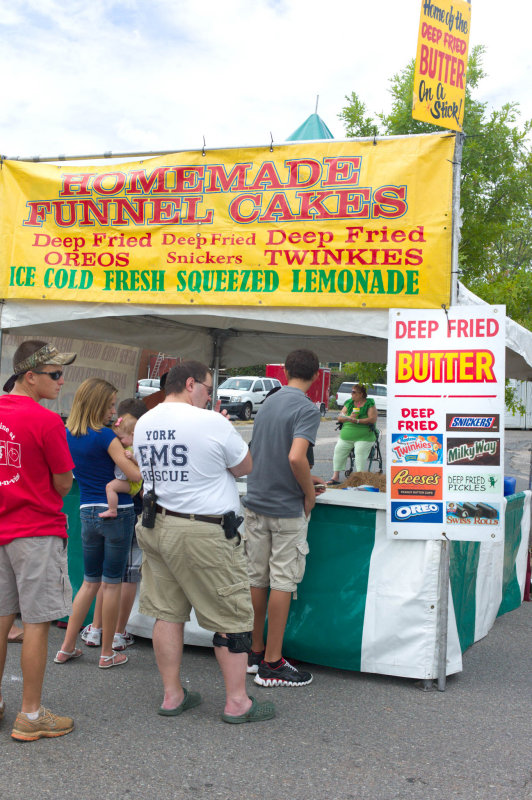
{"x": 235, "y": 335}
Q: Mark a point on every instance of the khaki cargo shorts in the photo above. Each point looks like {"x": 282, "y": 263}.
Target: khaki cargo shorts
{"x": 276, "y": 550}
{"x": 34, "y": 579}
{"x": 189, "y": 564}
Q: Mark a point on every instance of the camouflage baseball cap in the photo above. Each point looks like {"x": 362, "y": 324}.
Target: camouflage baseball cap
{"x": 45, "y": 355}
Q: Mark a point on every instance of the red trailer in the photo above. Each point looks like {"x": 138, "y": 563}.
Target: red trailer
{"x": 318, "y": 392}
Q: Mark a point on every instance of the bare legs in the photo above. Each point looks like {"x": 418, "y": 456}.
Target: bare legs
{"x": 111, "y": 490}
{"x": 233, "y": 666}
{"x": 33, "y": 663}
{"x": 15, "y": 634}
{"x": 33, "y": 659}
{"x": 5, "y": 625}
{"x": 82, "y": 602}
{"x": 278, "y": 607}
{"x": 127, "y": 598}
{"x": 168, "y": 648}
{"x": 167, "y": 640}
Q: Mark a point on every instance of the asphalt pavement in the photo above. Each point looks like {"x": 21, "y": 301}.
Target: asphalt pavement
{"x": 347, "y": 736}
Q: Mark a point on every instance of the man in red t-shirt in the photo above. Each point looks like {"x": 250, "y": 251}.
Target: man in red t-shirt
{"x": 35, "y": 475}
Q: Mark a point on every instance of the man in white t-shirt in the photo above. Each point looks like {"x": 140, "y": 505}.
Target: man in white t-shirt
{"x": 192, "y": 557}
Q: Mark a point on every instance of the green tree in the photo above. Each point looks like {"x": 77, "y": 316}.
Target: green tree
{"x": 495, "y": 250}
{"x": 366, "y": 371}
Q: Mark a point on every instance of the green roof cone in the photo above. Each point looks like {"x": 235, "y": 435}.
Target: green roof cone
{"x": 313, "y": 128}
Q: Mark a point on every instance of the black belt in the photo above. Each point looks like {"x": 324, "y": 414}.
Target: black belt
{"x": 199, "y": 517}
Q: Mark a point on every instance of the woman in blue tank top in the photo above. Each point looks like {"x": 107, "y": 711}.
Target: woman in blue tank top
{"x": 96, "y": 450}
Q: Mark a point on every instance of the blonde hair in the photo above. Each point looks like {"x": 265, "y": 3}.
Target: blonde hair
{"x": 90, "y": 406}
{"x": 125, "y": 425}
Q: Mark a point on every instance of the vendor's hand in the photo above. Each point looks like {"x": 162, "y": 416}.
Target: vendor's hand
{"x": 217, "y": 408}
{"x": 319, "y": 485}
{"x": 309, "y": 504}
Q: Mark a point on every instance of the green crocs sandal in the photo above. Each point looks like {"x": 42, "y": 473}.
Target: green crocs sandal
{"x": 257, "y": 713}
{"x": 190, "y": 700}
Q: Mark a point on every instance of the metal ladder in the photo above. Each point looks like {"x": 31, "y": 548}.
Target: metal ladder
{"x": 157, "y": 365}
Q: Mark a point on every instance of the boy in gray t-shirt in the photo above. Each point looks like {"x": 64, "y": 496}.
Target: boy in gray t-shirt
{"x": 280, "y": 496}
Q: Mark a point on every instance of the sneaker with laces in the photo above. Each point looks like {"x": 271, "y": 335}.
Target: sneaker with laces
{"x": 122, "y": 640}
{"x": 92, "y": 636}
{"x": 283, "y": 675}
{"x": 47, "y": 725}
{"x": 254, "y": 660}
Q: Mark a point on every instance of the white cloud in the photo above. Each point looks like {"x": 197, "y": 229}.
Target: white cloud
{"x": 126, "y": 75}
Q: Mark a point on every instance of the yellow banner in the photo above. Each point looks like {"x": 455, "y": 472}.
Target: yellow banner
{"x": 328, "y": 224}
{"x": 441, "y": 63}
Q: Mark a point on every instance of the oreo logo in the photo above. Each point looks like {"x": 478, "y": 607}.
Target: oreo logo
{"x": 417, "y": 512}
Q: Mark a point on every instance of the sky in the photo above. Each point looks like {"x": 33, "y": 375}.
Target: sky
{"x": 122, "y": 76}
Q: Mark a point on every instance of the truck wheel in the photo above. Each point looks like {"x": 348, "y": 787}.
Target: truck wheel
{"x": 323, "y": 409}
{"x": 246, "y": 412}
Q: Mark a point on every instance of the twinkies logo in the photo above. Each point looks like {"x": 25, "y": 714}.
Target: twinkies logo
{"x": 417, "y": 512}
{"x": 408, "y": 448}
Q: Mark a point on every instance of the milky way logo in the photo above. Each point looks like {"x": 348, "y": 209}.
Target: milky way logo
{"x": 482, "y": 452}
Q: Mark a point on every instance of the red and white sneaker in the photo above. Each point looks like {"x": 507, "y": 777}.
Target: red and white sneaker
{"x": 122, "y": 640}
{"x": 92, "y": 636}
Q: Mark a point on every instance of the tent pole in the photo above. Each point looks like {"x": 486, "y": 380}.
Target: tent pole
{"x": 456, "y": 215}
{"x": 443, "y": 613}
{"x": 443, "y": 588}
{"x": 217, "y": 340}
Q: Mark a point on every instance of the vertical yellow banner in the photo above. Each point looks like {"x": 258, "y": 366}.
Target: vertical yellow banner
{"x": 441, "y": 63}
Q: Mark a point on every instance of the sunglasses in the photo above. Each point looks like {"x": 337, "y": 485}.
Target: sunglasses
{"x": 209, "y": 388}
{"x": 53, "y": 375}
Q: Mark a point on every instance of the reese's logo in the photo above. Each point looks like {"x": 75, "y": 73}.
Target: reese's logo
{"x": 417, "y": 483}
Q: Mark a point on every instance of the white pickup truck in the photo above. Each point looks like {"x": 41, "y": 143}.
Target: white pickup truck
{"x": 243, "y": 394}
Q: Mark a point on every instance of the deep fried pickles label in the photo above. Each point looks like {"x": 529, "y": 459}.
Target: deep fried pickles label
{"x": 482, "y": 451}
{"x": 476, "y": 482}
{"x": 408, "y": 448}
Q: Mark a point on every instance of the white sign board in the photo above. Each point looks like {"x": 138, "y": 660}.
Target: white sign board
{"x": 445, "y": 423}
{"x": 116, "y": 363}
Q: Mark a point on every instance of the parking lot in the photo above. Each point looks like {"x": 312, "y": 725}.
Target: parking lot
{"x": 347, "y": 736}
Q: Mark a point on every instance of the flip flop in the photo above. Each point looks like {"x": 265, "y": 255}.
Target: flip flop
{"x": 76, "y": 653}
{"x": 116, "y": 660}
{"x": 333, "y": 483}
{"x": 18, "y": 639}
{"x": 257, "y": 713}
{"x": 190, "y": 700}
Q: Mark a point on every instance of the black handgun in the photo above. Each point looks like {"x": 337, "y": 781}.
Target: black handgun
{"x": 231, "y": 525}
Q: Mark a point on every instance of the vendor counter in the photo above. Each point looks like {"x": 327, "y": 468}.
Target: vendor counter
{"x": 370, "y": 604}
